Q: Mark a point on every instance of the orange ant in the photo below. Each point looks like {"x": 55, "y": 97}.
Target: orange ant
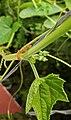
{"x": 22, "y": 51}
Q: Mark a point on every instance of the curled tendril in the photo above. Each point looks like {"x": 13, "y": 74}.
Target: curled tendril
{"x": 5, "y": 64}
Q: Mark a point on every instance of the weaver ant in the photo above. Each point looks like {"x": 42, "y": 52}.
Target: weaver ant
{"x": 22, "y": 51}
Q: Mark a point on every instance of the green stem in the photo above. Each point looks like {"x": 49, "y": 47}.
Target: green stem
{"x": 18, "y": 9}
{"x": 50, "y": 38}
{"x": 9, "y": 105}
{"x": 62, "y": 45}
{"x": 10, "y": 57}
{"x": 34, "y": 70}
{"x": 50, "y": 19}
{"x": 25, "y": 30}
{"x": 59, "y": 60}
{"x": 68, "y": 35}
{"x": 13, "y": 56}
{"x": 35, "y": 39}
{"x": 21, "y": 83}
{"x": 34, "y": 3}
{"x": 6, "y": 70}
{"x": 10, "y": 41}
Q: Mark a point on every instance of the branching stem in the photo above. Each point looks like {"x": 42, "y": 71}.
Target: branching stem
{"x": 34, "y": 70}
{"x": 60, "y": 60}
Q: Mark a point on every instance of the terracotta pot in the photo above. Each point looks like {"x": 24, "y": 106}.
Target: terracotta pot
{"x": 7, "y": 102}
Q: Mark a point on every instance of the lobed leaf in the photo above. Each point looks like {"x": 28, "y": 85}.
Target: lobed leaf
{"x": 32, "y": 92}
{"x": 48, "y": 92}
{"x": 6, "y": 28}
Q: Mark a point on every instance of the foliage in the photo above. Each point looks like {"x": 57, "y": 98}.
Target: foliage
{"x": 43, "y": 94}
{"x": 20, "y": 22}
{"x": 5, "y": 29}
{"x": 42, "y": 10}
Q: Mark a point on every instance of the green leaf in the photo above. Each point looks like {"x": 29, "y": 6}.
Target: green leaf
{"x": 42, "y": 10}
{"x": 47, "y": 93}
{"x": 33, "y": 90}
{"x": 30, "y": 12}
{"x": 50, "y": 23}
{"x": 5, "y": 29}
{"x": 16, "y": 26}
{"x": 68, "y": 3}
